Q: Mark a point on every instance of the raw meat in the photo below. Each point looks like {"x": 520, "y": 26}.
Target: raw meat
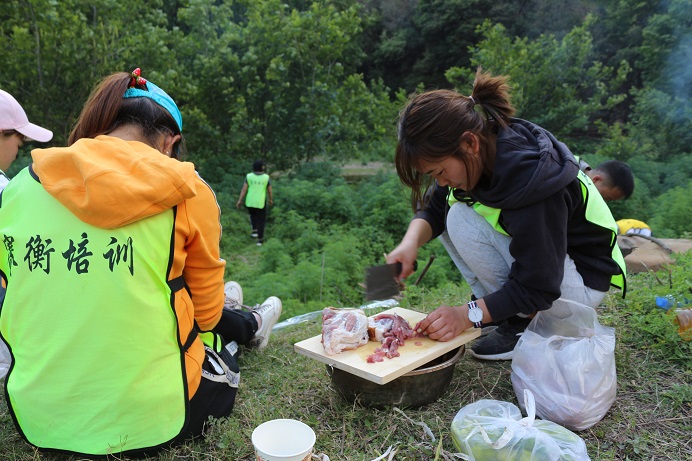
{"x": 382, "y": 326}
{"x": 392, "y": 331}
{"x": 343, "y": 329}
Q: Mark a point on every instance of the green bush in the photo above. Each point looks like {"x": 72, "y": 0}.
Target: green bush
{"x": 323, "y": 200}
{"x": 673, "y": 210}
{"x": 304, "y": 234}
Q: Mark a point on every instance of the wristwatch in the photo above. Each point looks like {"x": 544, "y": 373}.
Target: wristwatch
{"x": 475, "y": 314}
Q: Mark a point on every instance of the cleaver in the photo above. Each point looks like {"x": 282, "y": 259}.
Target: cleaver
{"x": 381, "y": 283}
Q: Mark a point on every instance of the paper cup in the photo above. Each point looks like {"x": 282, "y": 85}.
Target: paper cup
{"x": 283, "y": 440}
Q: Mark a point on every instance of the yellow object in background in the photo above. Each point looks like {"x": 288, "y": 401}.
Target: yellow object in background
{"x": 633, "y": 227}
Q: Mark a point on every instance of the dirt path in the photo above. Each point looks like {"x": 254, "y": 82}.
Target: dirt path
{"x": 355, "y": 170}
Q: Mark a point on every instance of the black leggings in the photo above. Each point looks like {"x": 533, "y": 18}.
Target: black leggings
{"x": 217, "y": 398}
{"x": 258, "y": 219}
{"x": 236, "y": 325}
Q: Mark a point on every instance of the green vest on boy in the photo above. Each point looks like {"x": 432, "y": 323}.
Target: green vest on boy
{"x": 256, "y": 190}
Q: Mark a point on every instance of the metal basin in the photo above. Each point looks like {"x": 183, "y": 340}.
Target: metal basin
{"x": 416, "y": 388}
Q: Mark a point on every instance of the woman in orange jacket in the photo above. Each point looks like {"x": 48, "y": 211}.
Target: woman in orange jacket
{"x": 106, "y": 311}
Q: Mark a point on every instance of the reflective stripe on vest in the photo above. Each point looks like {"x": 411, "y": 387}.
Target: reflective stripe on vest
{"x": 256, "y": 190}
{"x": 597, "y": 212}
{"x": 98, "y": 366}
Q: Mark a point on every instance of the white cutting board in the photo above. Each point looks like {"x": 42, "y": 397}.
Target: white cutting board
{"x": 416, "y": 352}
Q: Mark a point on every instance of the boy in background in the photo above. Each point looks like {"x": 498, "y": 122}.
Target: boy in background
{"x": 256, "y": 190}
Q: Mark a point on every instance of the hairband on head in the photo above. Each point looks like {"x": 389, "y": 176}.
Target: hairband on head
{"x": 139, "y": 87}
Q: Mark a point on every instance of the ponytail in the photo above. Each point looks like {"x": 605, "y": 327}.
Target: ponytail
{"x": 492, "y": 95}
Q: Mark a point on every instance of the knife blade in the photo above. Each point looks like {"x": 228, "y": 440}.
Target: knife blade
{"x": 381, "y": 282}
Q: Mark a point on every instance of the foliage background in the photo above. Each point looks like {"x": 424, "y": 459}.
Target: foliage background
{"x": 314, "y": 89}
{"x": 298, "y": 81}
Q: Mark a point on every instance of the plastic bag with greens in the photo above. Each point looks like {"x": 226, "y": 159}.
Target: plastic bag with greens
{"x": 495, "y": 430}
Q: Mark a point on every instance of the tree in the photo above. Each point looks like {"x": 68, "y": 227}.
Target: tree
{"x": 656, "y": 135}
{"x": 662, "y": 114}
{"x": 557, "y": 84}
{"x": 252, "y": 78}
{"x": 413, "y": 42}
{"x": 52, "y": 53}
{"x": 278, "y": 83}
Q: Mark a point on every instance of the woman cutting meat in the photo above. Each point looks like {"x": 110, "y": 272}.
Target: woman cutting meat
{"x": 522, "y": 224}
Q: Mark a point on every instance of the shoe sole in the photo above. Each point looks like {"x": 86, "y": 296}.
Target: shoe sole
{"x": 494, "y": 357}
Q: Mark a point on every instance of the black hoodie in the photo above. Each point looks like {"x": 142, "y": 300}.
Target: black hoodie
{"x": 534, "y": 183}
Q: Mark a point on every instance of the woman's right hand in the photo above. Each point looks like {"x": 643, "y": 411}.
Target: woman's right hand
{"x": 406, "y": 254}
{"x": 419, "y": 232}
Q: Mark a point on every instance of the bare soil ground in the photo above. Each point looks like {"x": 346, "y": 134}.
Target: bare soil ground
{"x": 355, "y": 170}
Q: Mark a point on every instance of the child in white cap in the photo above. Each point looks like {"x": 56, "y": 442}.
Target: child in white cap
{"x": 15, "y": 128}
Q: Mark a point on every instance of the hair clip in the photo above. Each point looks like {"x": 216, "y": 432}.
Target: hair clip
{"x": 137, "y": 79}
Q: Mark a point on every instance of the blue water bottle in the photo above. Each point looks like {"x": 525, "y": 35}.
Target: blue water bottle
{"x": 665, "y": 302}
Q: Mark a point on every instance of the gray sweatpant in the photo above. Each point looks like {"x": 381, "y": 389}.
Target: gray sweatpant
{"x": 482, "y": 256}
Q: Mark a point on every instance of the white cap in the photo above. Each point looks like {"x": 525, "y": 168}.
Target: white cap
{"x": 13, "y": 117}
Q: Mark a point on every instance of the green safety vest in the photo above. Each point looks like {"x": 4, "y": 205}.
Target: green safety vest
{"x": 256, "y": 190}
{"x": 597, "y": 212}
{"x": 580, "y": 163}
{"x": 97, "y": 364}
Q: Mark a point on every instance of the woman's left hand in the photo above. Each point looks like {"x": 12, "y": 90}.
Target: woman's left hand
{"x": 444, "y": 323}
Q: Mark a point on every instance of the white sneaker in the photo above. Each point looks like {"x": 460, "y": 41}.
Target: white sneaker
{"x": 269, "y": 312}
{"x": 254, "y": 234}
{"x": 234, "y": 295}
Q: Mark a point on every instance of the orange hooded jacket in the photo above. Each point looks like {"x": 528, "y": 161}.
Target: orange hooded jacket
{"x": 109, "y": 182}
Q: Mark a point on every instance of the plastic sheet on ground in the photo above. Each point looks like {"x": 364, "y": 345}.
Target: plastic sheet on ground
{"x": 387, "y": 303}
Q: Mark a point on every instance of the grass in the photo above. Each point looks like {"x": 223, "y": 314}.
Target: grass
{"x": 651, "y": 418}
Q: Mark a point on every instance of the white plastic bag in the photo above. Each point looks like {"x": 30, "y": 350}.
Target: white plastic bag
{"x": 567, "y": 359}
{"x": 494, "y": 430}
